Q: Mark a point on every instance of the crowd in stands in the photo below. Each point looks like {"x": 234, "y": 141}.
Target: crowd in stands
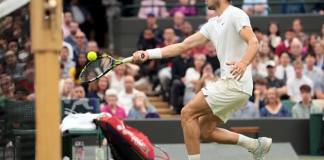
{"x": 285, "y": 68}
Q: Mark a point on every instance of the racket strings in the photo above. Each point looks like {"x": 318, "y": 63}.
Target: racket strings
{"x": 96, "y": 69}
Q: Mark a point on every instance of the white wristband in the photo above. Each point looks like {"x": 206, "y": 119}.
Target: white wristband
{"x": 155, "y": 53}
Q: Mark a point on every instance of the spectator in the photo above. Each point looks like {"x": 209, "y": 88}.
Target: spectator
{"x": 101, "y": 87}
{"x": 274, "y": 34}
{"x": 312, "y": 40}
{"x": 152, "y": 24}
{"x": 186, "y": 29}
{"x": 319, "y": 87}
{"x": 310, "y": 70}
{"x": 148, "y": 41}
{"x": 125, "y": 96}
{"x": 26, "y": 84}
{"x": 305, "y": 107}
{"x": 294, "y": 83}
{"x": 117, "y": 77}
{"x": 110, "y": 105}
{"x": 319, "y": 54}
{"x": 66, "y": 63}
{"x": 322, "y": 33}
{"x": 13, "y": 68}
{"x": 78, "y": 92}
{"x": 259, "y": 94}
{"x": 80, "y": 15}
{"x": 67, "y": 19}
{"x": 285, "y": 44}
{"x": 291, "y": 8}
{"x": 246, "y": 111}
{"x": 67, "y": 88}
{"x": 207, "y": 77}
{"x": 74, "y": 28}
{"x": 154, "y": 7}
{"x": 211, "y": 56}
{"x": 298, "y": 29}
{"x": 273, "y": 107}
{"x": 296, "y": 50}
{"x": 255, "y": 7}
{"x": 142, "y": 108}
{"x": 178, "y": 21}
{"x": 284, "y": 69}
{"x": 80, "y": 63}
{"x": 80, "y": 41}
{"x": 186, "y": 7}
{"x": 259, "y": 34}
{"x": 25, "y": 54}
{"x": 264, "y": 55}
{"x": 92, "y": 46}
{"x": 192, "y": 77}
{"x": 179, "y": 67}
{"x": 273, "y": 81}
{"x": 7, "y": 87}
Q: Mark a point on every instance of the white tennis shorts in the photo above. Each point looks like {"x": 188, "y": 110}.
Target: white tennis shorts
{"x": 224, "y": 97}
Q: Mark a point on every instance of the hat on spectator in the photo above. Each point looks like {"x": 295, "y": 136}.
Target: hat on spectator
{"x": 305, "y": 88}
{"x": 271, "y": 64}
{"x": 111, "y": 92}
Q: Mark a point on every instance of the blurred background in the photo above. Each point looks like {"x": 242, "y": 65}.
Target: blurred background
{"x": 288, "y": 72}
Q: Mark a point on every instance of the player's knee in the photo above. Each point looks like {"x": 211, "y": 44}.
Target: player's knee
{"x": 205, "y": 135}
{"x": 186, "y": 114}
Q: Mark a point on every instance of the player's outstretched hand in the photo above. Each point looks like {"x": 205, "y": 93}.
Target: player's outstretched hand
{"x": 238, "y": 69}
{"x": 140, "y": 56}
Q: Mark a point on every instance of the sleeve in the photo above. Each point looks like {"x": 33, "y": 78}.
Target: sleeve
{"x": 205, "y": 29}
{"x": 294, "y": 112}
{"x": 241, "y": 20}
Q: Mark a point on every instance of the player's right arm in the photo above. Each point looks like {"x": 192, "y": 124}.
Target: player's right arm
{"x": 192, "y": 41}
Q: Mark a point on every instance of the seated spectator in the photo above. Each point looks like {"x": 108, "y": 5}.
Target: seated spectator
{"x": 74, "y": 28}
{"x": 284, "y": 69}
{"x": 125, "y": 96}
{"x": 151, "y": 23}
{"x": 259, "y": 94}
{"x": 296, "y": 50}
{"x": 67, "y": 86}
{"x": 13, "y": 68}
{"x": 67, "y": 19}
{"x": 154, "y": 7}
{"x": 78, "y": 92}
{"x": 142, "y": 108}
{"x": 93, "y": 46}
{"x": 100, "y": 89}
{"x": 80, "y": 63}
{"x": 298, "y": 29}
{"x": 305, "y": 107}
{"x": 259, "y": 34}
{"x": 148, "y": 41}
{"x": 273, "y": 81}
{"x": 273, "y": 107}
{"x": 274, "y": 34}
{"x": 294, "y": 83}
{"x": 285, "y": 44}
{"x": 319, "y": 87}
{"x": 116, "y": 78}
{"x": 26, "y": 84}
{"x": 192, "y": 77}
{"x": 80, "y": 43}
{"x": 319, "y": 54}
{"x": 186, "y": 29}
{"x": 255, "y": 7}
{"x": 25, "y": 54}
{"x": 322, "y": 33}
{"x": 263, "y": 57}
{"x": 7, "y": 87}
{"x": 291, "y": 8}
{"x": 246, "y": 111}
{"x": 178, "y": 21}
{"x": 310, "y": 70}
{"x": 310, "y": 44}
{"x": 207, "y": 77}
{"x": 211, "y": 56}
{"x": 110, "y": 105}
{"x": 186, "y": 7}
{"x": 66, "y": 63}
{"x": 178, "y": 70}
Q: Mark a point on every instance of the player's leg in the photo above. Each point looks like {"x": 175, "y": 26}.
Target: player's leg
{"x": 190, "y": 114}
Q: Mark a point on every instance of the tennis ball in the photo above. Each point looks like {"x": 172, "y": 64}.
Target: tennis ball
{"x": 92, "y": 56}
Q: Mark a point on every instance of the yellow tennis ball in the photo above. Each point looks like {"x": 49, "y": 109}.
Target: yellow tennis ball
{"x": 92, "y": 56}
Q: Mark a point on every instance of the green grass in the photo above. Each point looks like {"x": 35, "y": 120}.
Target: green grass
{"x": 311, "y": 158}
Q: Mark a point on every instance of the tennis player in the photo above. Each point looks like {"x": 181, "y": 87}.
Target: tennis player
{"x": 236, "y": 45}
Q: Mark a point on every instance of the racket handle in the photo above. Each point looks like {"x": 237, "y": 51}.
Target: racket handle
{"x": 127, "y": 60}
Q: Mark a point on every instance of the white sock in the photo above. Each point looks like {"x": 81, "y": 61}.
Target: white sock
{"x": 194, "y": 157}
{"x": 249, "y": 143}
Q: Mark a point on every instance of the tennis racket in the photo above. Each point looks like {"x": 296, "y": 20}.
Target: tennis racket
{"x": 99, "y": 67}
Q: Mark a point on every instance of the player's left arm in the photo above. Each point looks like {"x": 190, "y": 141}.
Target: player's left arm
{"x": 249, "y": 37}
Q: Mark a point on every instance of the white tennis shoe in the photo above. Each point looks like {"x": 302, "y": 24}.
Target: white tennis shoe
{"x": 263, "y": 148}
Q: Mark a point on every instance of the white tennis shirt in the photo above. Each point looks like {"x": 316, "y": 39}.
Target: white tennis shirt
{"x": 223, "y": 32}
